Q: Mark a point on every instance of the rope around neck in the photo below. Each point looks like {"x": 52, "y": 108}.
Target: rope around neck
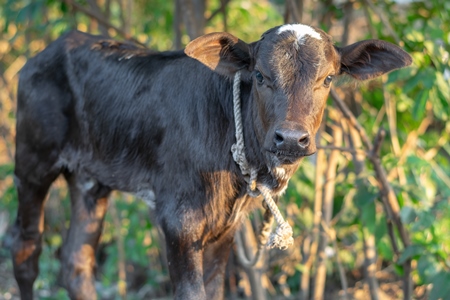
{"x": 282, "y": 237}
{"x": 238, "y": 148}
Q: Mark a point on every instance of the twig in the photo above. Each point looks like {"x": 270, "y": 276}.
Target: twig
{"x": 351, "y": 118}
{"x": 223, "y": 10}
{"x": 7, "y": 86}
{"x": 263, "y": 237}
{"x": 391, "y": 113}
{"x": 292, "y": 11}
{"x": 320, "y": 169}
{"x": 177, "y": 24}
{"x": 122, "y": 16}
{"x": 348, "y": 17}
{"x": 246, "y": 236}
{"x": 100, "y": 19}
{"x": 305, "y": 276}
{"x": 370, "y": 262}
{"x": 384, "y": 20}
{"x": 193, "y": 17}
{"x": 122, "y": 284}
{"x": 391, "y": 203}
{"x": 8, "y": 150}
{"x": 327, "y": 14}
{"x": 327, "y": 210}
{"x": 344, "y": 149}
{"x": 311, "y": 248}
{"x": 97, "y": 11}
{"x": 223, "y": 5}
{"x": 372, "y": 31}
{"x": 368, "y": 237}
{"x": 332, "y": 235}
{"x": 411, "y": 141}
{"x": 388, "y": 196}
{"x": 386, "y": 189}
{"x": 331, "y": 175}
{"x": 391, "y": 233}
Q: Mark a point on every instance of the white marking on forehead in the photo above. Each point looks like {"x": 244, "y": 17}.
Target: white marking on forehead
{"x": 300, "y": 31}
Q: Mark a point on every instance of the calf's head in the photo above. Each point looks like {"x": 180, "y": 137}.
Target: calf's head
{"x": 291, "y": 69}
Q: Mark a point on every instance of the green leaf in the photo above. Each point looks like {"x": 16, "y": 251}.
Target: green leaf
{"x": 441, "y": 286}
{"x": 398, "y": 269}
{"x": 427, "y": 267}
{"x": 425, "y": 220}
{"x": 368, "y": 214}
{"x": 365, "y": 194}
{"x": 6, "y": 170}
{"x": 412, "y": 83}
{"x": 428, "y": 77}
{"x": 421, "y": 100}
{"x": 407, "y": 214}
{"x": 410, "y": 252}
{"x": 414, "y": 35}
{"x": 401, "y": 74}
{"x": 384, "y": 250}
{"x": 381, "y": 229}
{"x": 439, "y": 107}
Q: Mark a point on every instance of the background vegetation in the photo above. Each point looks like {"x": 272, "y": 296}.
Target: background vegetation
{"x": 370, "y": 211}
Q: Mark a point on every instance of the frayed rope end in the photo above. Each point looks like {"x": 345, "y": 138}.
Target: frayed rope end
{"x": 282, "y": 237}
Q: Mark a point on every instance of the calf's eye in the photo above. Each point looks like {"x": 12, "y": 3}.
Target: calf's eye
{"x": 259, "y": 77}
{"x": 328, "y": 80}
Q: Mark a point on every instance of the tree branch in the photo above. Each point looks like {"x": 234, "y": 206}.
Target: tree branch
{"x": 387, "y": 193}
{"x": 327, "y": 209}
{"x": 390, "y": 201}
{"x": 351, "y": 118}
{"x": 332, "y": 235}
{"x": 222, "y": 7}
{"x": 101, "y": 20}
{"x": 344, "y": 149}
{"x": 122, "y": 284}
{"x": 383, "y": 20}
{"x": 95, "y": 9}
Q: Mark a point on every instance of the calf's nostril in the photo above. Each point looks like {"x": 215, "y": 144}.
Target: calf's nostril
{"x": 278, "y": 139}
{"x": 304, "y": 140}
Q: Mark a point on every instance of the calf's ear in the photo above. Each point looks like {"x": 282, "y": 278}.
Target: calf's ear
{"x": 372, "y": 58}
{"x": 221, "y": 52}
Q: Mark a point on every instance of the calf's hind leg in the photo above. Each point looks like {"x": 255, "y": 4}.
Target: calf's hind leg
{"x": 27, "y": 231}
{"x": 88, "y": 207}
{"x": 35, "y": 170}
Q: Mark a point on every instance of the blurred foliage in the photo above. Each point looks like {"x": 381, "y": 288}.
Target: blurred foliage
{"x": 416, "y": 153}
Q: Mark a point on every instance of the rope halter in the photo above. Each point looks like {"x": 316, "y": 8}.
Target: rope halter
{"x": 282, "y": 237}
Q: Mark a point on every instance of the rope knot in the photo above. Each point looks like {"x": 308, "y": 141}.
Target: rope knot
{"x": 282, "y": 237}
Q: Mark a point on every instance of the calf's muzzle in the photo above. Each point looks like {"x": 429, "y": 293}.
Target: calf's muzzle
{"x": 292, "y": 142}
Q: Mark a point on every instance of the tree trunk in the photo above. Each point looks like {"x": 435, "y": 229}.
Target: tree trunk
{"x": 327, "y": 211}
{"x": 193, "y": 16}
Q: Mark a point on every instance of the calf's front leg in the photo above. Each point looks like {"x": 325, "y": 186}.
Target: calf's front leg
{"x": 183, "y": 232}
{"x": 215, "y": 260}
